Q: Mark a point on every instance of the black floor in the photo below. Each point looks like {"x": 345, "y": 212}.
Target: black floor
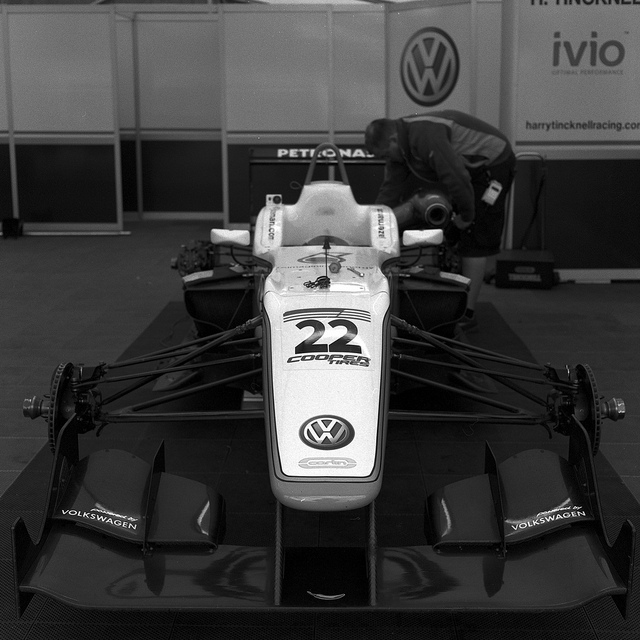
{"x": 233, "y": 459}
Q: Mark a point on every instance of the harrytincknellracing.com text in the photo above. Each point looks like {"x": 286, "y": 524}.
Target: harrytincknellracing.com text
{"x": 581, "y": 125}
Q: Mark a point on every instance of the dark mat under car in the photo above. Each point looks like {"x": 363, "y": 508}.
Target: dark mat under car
{"x": 232, "y": 458}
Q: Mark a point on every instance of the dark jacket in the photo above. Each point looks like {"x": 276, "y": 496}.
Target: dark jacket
{"x": 448, "y": 147}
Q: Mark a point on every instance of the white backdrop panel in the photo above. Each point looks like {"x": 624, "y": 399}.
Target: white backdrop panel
{"x": 277, "y": 72}
{"x": 61, "y": 72}
{"x": 126, "y": 77}
{"x": 359, "y": 71}
{"x": 179, "y": 71}
{"x": 578, "y": 74}
{"x": 453, "y": 20}
{"x": 489, "y": 39}
{"x": 4, "y": 118}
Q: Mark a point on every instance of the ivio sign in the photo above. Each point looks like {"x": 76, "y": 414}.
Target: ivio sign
{"x": 589, "y": 52}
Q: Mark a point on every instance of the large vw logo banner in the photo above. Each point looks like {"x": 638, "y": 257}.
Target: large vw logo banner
{"x": 429, "y": 58}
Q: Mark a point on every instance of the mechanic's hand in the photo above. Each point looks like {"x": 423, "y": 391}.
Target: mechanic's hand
{"x": 463, "y": 225}
{"x": 419, "y": 204}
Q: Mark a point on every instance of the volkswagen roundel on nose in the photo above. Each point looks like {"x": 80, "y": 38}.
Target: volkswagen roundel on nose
{"x": 327, "y": 432}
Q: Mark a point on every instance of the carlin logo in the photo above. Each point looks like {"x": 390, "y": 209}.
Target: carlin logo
{"x": 326, "y": 432}
{"x": 327, "y": 463}
{"x": 429, "y": 66}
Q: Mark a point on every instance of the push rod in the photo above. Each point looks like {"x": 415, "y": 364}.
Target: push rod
{"x": 186, "y": 367}
{"x": 451, "y": 365}
{"x": 463, "y": 358}
{"x": 477, "y": 418}
{"x": 123, "y": 416}
{"x": 208, "y": 346}
{"x": 478, "y": 352}
{"x": 184, "y": 348}
{"x": 465, "y": 394}
{"x": 192, "y": 390}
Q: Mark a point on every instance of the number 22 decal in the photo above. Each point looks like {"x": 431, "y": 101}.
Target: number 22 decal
{"x": 311, "y": 344}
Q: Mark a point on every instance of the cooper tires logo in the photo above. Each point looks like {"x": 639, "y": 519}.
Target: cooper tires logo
{"x": 429, "y": 66}
{"x": 326, "y": 432}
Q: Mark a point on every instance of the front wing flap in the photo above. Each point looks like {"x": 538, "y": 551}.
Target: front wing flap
{"x": 568, "y": 569}
{"x": 551, "y": 570}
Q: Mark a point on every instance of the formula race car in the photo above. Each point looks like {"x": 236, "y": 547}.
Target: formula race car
{"x": 342, "y": 331}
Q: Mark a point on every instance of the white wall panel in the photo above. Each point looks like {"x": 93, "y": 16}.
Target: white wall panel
{"x": 61, "y": 72}
{"x": 4, "y": 117}
{"x": 179, "y": 70}
{"x": 126, "y": 76}
{"x": 578, "y": 75}
{"x": 277, "y": 71}
{"x": 489, "y": 39}
{"x": 359, "y": 69}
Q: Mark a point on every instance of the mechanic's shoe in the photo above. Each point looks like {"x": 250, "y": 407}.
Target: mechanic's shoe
{"x": 468, "y": 324}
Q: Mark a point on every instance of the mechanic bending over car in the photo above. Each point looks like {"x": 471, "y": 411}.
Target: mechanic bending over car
{"x": 470, "y": 160}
